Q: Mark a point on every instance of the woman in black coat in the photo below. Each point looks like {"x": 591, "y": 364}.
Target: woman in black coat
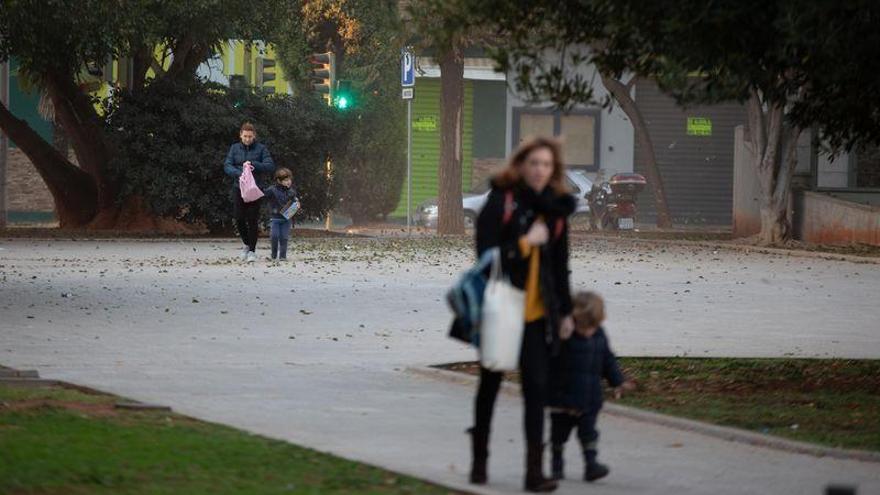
{"x": 526, "y": 216}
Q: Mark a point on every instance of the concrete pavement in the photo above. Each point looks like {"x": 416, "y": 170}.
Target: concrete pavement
{"x": 315, "y": 351}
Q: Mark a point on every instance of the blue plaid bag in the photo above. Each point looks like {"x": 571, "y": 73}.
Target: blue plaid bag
{"x": 465, "y": 298}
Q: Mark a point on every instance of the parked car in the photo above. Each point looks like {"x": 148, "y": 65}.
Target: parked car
{"x": 427, "y": 212}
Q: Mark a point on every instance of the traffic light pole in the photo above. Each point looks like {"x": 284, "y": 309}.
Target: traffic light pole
{"x": 4, "y": 141}
{"x": 328, "y": 220}
{"x": 409, "y": 166}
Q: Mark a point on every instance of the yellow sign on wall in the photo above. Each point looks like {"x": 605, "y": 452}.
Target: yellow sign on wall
{"x": 699, "y": 126}
{"x": 426, "y": 123}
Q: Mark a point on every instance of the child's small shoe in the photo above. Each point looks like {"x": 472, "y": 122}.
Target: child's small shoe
{"x": 595, "y": 471}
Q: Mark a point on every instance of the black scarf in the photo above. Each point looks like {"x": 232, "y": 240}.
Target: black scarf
{"x": 548, "y": 203}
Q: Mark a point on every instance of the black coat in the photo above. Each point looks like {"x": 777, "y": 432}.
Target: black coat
{"x": 576, "y": 374}
{"x": 492, "y": 231}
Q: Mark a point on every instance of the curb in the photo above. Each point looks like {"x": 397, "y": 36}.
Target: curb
{"x": 800, "y": 253}
{"x": 31, "y": 379}
{"x": 721, "y": 432}
{"x": 30, "y": 382}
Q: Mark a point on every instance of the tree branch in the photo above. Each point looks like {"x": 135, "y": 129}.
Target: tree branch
{"x": 157, "y": 67}
{"x": 140, "y": 65}
{"x": 72, "y": 189}
{"x": 180, "y": 53}
{"x": 786, "y": 171}
{"x": 756, "y": 122}
{"x": 624, "y": 98}
{"x": 630, "y": 85}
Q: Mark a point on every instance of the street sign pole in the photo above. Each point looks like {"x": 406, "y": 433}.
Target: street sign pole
{"x": 409, "y": 165}
{"x": 407, "y": 83}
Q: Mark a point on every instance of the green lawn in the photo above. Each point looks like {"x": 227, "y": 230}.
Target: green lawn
{"x": 825, "y": 401}
{"x": 62, "y": 441}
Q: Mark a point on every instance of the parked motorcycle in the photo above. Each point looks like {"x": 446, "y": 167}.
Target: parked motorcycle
{"x": 613, "y": 202}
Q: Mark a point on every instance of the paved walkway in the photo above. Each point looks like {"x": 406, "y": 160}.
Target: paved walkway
{"x": 316, "y": 351}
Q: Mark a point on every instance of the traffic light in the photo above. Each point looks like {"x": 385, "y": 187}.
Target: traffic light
{"x": 324, "y": 74}
{"x": 343, "y": 98}
{"x": 264, "y": 64}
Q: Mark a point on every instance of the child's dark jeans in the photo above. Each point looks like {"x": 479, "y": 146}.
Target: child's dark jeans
{"x": 280, "y": 233}
{"x": 561, "y": 424}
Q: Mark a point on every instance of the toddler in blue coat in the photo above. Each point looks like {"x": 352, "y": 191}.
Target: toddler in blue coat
{"x": 576, "y": 384}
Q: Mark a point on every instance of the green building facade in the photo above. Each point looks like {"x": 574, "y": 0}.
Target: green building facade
{"x": 483, "y": 136}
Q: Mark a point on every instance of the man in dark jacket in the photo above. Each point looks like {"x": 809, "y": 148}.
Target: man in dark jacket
{"x": 576, "y": 385}
{"x": 247, "y": 153}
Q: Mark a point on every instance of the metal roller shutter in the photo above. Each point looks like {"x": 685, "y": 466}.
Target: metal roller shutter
{"x": 695, "y": 157}
{"x": 426, "y": 143}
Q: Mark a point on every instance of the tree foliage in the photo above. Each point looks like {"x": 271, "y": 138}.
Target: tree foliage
{"x": 797, "y": 64}
{"x": 820, "y": 59}
{"x": 366, "y": 37}
{"x": 58, "y": 42}
{"x": 175, "y": 136}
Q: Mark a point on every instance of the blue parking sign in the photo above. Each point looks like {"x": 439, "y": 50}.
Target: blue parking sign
{"x": 407, "y": 68}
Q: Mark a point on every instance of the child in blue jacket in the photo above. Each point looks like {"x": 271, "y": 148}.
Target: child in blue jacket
{"x": 283, "y": 203}
{"x": 576, "y": 384}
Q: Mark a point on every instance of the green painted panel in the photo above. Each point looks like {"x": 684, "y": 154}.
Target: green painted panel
{"x": 490, "y": 114}
{"x": 24, "y": 103}
{"x": 426, "y": 142}
{"x": 30, "y": 217}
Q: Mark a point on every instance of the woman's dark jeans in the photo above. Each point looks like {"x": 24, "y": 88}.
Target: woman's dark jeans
{"x": 534, "y": 368}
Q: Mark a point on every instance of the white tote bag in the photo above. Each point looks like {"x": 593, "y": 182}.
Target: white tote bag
{"x": 503, "y": 320}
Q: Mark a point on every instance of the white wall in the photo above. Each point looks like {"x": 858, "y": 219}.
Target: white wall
{"x": 213, "y": 70}
{"x": 833, "y": 173}
{"x": 616, "y": 138}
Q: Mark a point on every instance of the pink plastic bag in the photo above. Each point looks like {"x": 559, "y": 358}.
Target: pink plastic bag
{"x": 249, "y": 190}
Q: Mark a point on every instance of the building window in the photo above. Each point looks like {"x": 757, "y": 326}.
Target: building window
{"x": 867, "y": 167}
{"x": 578, "y": 130}
{"x": 535, "y": 124}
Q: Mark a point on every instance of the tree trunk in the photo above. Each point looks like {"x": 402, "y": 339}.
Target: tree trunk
{"x": 775, "y": 225}
{"x": 59, "y": 140}
{"x": 72, "y": 189}
{"x": 621, "y": 93}
{"x": 451, "y": 214}
{"x": 83, "y": 128}
{"x": 187, "y": 56}
{"x": 773, "y": 147}
{"x": 141, "y": 63}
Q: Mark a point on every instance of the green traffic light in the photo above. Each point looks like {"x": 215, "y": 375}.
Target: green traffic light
{"x": 343, "y": 98}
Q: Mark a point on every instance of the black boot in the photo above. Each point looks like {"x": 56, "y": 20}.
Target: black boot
{"x": 594, "y": 470}
{"x": 558, "y": 463}
{"x": 480, "y": 456}
{"x": 535, "y": 480}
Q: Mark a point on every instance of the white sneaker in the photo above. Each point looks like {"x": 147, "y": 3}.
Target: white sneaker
{"x": 251, "y": 257}
{"x": 244, "y": 252}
